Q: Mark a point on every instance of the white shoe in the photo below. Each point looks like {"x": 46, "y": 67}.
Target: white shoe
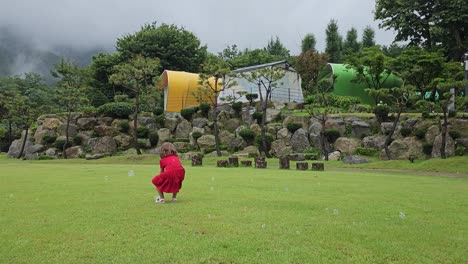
{"x": 158, "y": 199}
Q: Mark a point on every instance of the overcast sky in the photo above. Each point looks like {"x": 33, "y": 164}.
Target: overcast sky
{"x": 217, "y": 23}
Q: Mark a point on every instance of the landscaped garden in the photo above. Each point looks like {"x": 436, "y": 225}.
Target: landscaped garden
{"x": 68, "y": 211}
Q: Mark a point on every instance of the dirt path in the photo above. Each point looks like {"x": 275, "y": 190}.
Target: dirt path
{"x": 412, "y": 172}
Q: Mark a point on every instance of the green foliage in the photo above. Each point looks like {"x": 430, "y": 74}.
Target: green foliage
{"x": 332, "y": 135}
{"x": 247, "y": 135}
{"x": 171, "y": 140}
{"x": 368, "y": 37}
{"x": 124, "y": 126}
{"x": 420, "y": 133}
{"x": 251, "y": 97}
{"x": 333, "y": 42}
{"x": 312, "y": 154}
{"x": 196, "y": 135}
{"x": 452, "y": 113}
{"x": 427, "y": 148}
{"x": 186, "y": 140}
{"x": 277, "y": 49}
{"x": 60, "y": 143}
{"x": 460, "y": 151}
{"x": 425, "y": 114}
{"x": 160, "y": 120}
{"x": 258, "y": 142}
{"x": 454, "y": 134}
{"x": 212, "y": 149}
{"x": 308, "y": 43}
{"x": 237, "y": 107}
{"x": 77, "y": 141}
{"x": 258, "y": 116}
{"x": 381, "y": 112}
{"x": 404, "y": 131}
{"x": 142, "y": 143}
{"x": 205, "y": 108}
{"x": 344, "y": 103}
{"x": 88, "y": 111}
{"x": 292, "y": 127}
{"x": 158, "y": 111}
{"x": 45, "y": 157}
{"x": 116, "y": 110}
{"x": 49, "y": 139}
{"x": 142, "y": 132}
{"x": 154, "y": 138}
{"x": 187, "y": 113}
{"x": 366, "y": 151}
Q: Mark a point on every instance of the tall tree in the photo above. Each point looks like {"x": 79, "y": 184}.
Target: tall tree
{"x": 101, "y": 69}
{"x": 430, "y": 23}
{"x": 214, "y": 79}
{"x": 368, "y": 37}
{"x": 248, "y": 58}
{"x": 277, "y": 49}
{"x": 308, "y": 43}
{"x": 266, "y": 79}
{"x": 351, "y": 43}
{"x": 309, "y": 64}
{"x": 372, "y": 68}
{"x": 137, "y": 75}
{"x": 175, "y": 47}
{"x": 334, "y": 42}
{"x": 71, "y": 90}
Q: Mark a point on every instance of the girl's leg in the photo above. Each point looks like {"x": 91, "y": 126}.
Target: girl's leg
{"x": 174, "y": 197}
{"x": 161, "y": 194}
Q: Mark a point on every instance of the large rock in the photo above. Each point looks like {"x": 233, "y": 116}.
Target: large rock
{"x": 148, "y": 122}
{"x": 206, "y": 141}
{"x": 284, "y": 135}
{"x": 334, "y": 155}
{"x": 231, "y": 124}
{"x": 85, "y": 136}
{"x": 432, "y": 133}
{"x": 183, "y": 129}
{"x": 163, "y": 135}
{"x": 336, "y": 123}
{"x": 463, "y": 142}
{"x": 273, "y": 129}
{"x": 123, "y": 141}
{"x": 360, "y": 129}
{"x": 256, "y": 129}
{"x": 51, "y": 123}
{"x": 401, "y": 149}
{"x": 247, "y": 113}
{"x": 386, "y": 127}
{"x": 86, "y": 123}
{"x": 103, "y": 145}
{"x": 300, "y": 141}
{"x": 248, "y": 151}
{"x": 280, "y": 148}
{"x": 200, "y": 122}
{"x": 171, "y": 123}
{"x": 272, "y": 114}
{"x": 103, "y": 130}
{"x": 75, "y": 152}
{"x": 347, "y": 145}
{"x": 15, "y": 147}
{"x": 377, "y": 142}
{"x": 41, "y": 133}
{"x": 354, "y": 160}
{"x": 72, "y": 130}
{"x": 449, "y": 146}
{"x": 461, "y": 126}
{"x": 106, "y": 121}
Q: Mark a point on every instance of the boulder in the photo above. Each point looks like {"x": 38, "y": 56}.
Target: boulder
{"x": 106, "y": 121}
{"x": 354, "y": 160}
{"x": 347, "y": 145}
{"x": 336, "y": 123}
{"x": 163, "y": 135}
{"x": 256, "y": 129}
{"x": 279, "y": 148}
{"x": 171, "y": 123}
{"x": 386, "y": 127}
{"x": 123, "y": 141}
{"x": 199, "y": 122}
{"x": 432, "y": 133}
{"x": 95, "y": 156}
{"x": 51, "y": 123}
{"x": 103, "y": 130}
{"x": 183, "y": 129}
{"x": 401, "y": 149}
{"x": 86, "y": 123}
{"x": 72, "y": 130}
{"x": 377, "y": 142}
{"x": 105, "y": 144}
{"x": 334, "y": 155}
{"x": 284, "y": 135}
{"x": 304, "y": 120}
{"x": 41, "y": 133}
{"x": 273, "y": 129}
{"x": 52, "y": 152}
{"x": 247, "y": 113}
{"x": 74, "y": 152}
{"x": 360, "y": 129}
{"x": 300, "y": 141}
{"x": 206, "y": 141}
{"x": 148, "y": 122}
{"x": 231, "y": 124}
{"x": 15, "y": 147}
{"x": 462, "y": 142}
{"x": 272, "y": 114}
{"x": 449, "y": 146}
{"x": 181, "y": 146}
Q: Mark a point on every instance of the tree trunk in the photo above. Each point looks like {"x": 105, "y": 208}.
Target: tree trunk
{"x": 322, "y": 139}
{"x": 66, "y": 136}
{"x": 389, "y": 136}
{"x": 24, "y": 143}
{"x": 444, "y": 134}
{"x": 135, "y": 122}
{"x": 10, "y": 136}
{"x": 216, "y": 131}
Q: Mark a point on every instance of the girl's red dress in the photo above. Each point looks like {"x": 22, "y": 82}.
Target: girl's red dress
{"x": 172, "y": 175}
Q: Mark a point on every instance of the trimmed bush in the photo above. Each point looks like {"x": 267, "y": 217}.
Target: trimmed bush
{"x": 60, "y": 143}
{"x": 78, "y": 140}
{"x": 158, "y": 111}
{"x": 247, "y": 135}
{"x": 49, "y": 139}
{"x": 420, "y": 133}
{"x": 251, "y": 97}
{"x": 381, "y": 112}
{"x": 142, "y": 143}
{"x": 187, "y": 113}
{"x": 171, "y": 140}
{"x": 405, "y": 131}
{"x": 427, "y": 149}
{"x": 124, "y": 126}
{"x": 205, "y": 109}
{"x": 211, "y": 149}
{"x": 460, "y": 151}
{"x": 258, "y": 142}
{"x": 258, "y": 116}
{"x": 196, "y": 135}
{"x": 117, "y": 109}
{"x": 88, "y": 110}
{"x": 312, "y": 154}
{"x": 452, "y": 113}
{"x": 454, "y": 134}
{"x": 160, "y": 120}
{"x": 237, "y": 107}
{"x": 332, "y": 135}
{"x": 142, "y": 132}
{"x": 293, "y": 127}
{"x": 366, "y": 151}
{"x": 425, "y": 114}
{"x": 154, "y": 138}
{"x": 182, "y": 140}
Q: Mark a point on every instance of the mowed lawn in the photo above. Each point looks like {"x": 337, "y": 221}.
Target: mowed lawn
{"x": 66, "y": 212}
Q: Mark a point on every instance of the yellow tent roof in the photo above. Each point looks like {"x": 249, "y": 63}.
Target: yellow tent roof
{"x": 180, "y": 90}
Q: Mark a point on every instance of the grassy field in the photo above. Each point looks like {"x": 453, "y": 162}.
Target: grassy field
{"x": 76, "y": 211}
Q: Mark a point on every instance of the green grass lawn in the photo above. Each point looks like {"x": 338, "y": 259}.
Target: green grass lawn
{"x": 76, "y": 211}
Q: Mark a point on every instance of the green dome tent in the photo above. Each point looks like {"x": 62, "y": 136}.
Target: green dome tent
{"x": 345, "y": 87}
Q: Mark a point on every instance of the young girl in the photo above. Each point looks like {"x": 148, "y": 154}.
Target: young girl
{"x": 172, "y": 173}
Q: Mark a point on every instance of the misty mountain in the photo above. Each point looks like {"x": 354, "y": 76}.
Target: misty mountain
{"x": 19, "y": 55}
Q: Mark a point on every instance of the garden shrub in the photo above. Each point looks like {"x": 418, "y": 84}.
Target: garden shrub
{"x": 460, "y": 151}
{"x": 251, "y": 97}
{"x": 77, "y": 141}
{"x": 45, "y": 157}
{"x": 182, "y": 140}
{"x": 170, "y": 140}
{"x": 366, "y": 151}
{"x": 160, "y": 120}
{"x": 452, "y": 113}
{"x": 124, "y": 126}
{"x": 332, "y": 135}
{"x": 342, "y": 102}
{"x": 196, "y": 135}
{"x": 237, "y": 107}
{"x": 247, "y": 135}
{"x": 88, "y": 111}
{"x": 49, "y": 139}
{"x": 381, "y": 112}
{"x": 158, "y": 111}
{"x": 293, "y": 127}
{"x": 205, "y": 109}
{"x": 187, "y": 113}
{"x": 454, "y": 134}
{"x": 60, "y": 143}
{"x": 154, "y": 138}
{"x": 427, "y": 149}
{"x": 142, "y": 143}
{"x": 142, "y": 132}
{"x": 420, "y": 133}
{"x": 211, "y": 149}
{"x": 405, "y": 131}
{"x": 116, "y": 109}
{"x": 268, "y": 139}
{"x": 258, "y": 116}
{"x": 425, "y": 114}
{"x": 312, "y": 154}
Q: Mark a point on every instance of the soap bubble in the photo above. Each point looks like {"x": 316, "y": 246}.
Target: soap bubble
{"x": 209, "y": 216}
{"x": 335, "y": 212}
{"x": 286, "y": 189}
{"x": 402, "y": 215}
{"x": 212, "y": 188}
{"x": 263, "y": 226}
{"x": 106, "y": 178}
{"x": 131, "y": 173}
{"x": 212, "y": 179}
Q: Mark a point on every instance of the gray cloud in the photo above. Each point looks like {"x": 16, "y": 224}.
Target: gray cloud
{"x": 249, "y": 24}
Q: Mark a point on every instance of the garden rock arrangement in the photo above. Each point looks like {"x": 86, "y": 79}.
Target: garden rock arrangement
{"x": 96, "y": 136}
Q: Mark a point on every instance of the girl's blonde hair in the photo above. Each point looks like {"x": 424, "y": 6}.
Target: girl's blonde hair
{"x": 167, "y": 149}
